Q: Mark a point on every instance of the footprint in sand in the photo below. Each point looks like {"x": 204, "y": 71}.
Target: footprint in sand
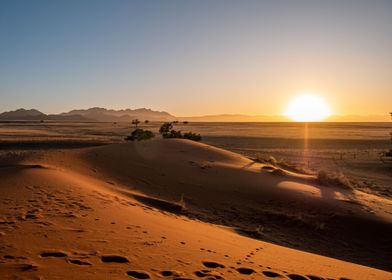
{"x": 54, "y": 254}
{"x": 115, "y": 259}
{"x": 138, "y": 274}
{"x": 169, "y": 273}
{"x": 205, "y": 273}
{"x": 296, "y": 277}
{"x": 25, "y": 267}
{"x": 245, "y": 270}
{"x": 213, "y": 264}
{"x": 272, "y": 274}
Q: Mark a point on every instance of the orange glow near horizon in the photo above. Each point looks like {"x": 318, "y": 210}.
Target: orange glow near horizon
{"x": 308, "y": 108}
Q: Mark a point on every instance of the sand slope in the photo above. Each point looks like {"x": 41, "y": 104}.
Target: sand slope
{"x": 173, "y": 210}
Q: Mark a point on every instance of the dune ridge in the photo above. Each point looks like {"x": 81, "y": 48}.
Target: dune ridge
{"x": 177, "y": 209}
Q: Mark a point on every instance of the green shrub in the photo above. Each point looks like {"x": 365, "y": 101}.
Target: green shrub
{"x": 167, "y": 131}
{"x": 192, "y": 136}
{"x": 140, "y": 134}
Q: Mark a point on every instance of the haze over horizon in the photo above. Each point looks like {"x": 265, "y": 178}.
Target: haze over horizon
{"x": 196, "y": 58}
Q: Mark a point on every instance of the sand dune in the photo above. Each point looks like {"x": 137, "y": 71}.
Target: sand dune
{"x": 175, "y": 209}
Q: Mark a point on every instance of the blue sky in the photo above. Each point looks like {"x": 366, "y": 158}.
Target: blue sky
{"x": 195, "y": 57}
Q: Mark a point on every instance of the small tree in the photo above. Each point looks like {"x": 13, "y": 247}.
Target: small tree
{"x": 165, "y": 129}
{"x": 135, "y": 122}
{"x": 146, "y": 121}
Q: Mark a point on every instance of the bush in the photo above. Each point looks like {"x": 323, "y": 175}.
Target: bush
{"x": 334, "y": 179}
{"x": 167, "y": 131}
{"x": 140, "y": 134}
{"x": 192, "y": 136}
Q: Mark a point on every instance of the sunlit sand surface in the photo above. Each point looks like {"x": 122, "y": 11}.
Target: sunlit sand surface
{"x": 175, "y": 209}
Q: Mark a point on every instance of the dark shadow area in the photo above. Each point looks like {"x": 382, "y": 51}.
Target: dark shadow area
{"x": 164, "y": 205}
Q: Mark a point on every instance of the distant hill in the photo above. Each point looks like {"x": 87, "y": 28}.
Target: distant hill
{"x": 127, "y": 115}
{"x": 22, "y": 114}
{"x": 92, "y": 114}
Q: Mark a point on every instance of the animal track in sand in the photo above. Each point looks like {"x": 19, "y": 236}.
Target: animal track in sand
{"x": 138, "y": 274}
{"x": 115, "y": 259}
{"x": 54, "y": 254}
{"x": 213, "y": 264}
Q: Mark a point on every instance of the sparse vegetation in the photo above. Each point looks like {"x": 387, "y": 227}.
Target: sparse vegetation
{"x": 260, "y": 229}
{"x": 140, "y": 134}
{"x": 334, "y": 179}
{"x": 181, "y": 203}
{"x": 167, "y": 131}
{"x": 135, "y": 122}
{"x": 263, "y": 159}
{"x": 192, "y": 136}
{"x": 279, "y": 164}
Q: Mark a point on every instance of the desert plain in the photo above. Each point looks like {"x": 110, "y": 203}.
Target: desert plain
{"x": 79, "y": 202}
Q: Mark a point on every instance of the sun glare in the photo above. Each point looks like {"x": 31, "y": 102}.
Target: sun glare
{"x": 308, "y": 108}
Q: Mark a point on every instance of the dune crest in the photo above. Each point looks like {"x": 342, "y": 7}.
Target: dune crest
{"x": 115, "y": 211}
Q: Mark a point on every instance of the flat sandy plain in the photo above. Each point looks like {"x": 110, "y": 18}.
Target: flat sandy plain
{"x": 77, "y": 202}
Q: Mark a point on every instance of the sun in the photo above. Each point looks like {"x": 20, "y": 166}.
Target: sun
{"x": 308, "y": 108}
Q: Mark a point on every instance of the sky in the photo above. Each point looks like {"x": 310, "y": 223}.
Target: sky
{"x": 196, "y": 57}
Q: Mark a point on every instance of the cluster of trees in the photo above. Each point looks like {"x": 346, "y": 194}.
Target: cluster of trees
{"x": 166, "y": 130}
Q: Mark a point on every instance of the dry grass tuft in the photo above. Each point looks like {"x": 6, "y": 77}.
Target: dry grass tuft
{"x": 336, "y": 179}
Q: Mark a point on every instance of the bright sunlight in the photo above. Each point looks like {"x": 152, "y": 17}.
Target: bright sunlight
{"x": 308, "y": 108}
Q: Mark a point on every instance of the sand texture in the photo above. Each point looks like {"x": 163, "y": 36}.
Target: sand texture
{"x": 176, "y": 209}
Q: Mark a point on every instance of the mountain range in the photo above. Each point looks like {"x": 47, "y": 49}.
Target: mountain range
{"x": 92, "y": 114}
{"x": 127, "y": 115}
